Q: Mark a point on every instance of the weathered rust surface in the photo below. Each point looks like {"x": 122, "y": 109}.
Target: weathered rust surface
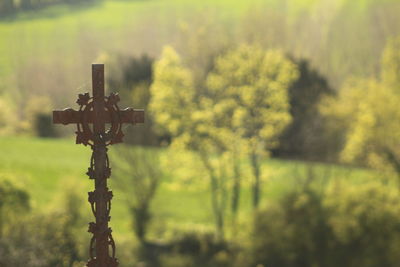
{"x": 98, "y": 111}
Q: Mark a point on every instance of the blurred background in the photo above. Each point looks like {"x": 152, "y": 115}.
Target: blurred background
{"x": 272, "y": 134}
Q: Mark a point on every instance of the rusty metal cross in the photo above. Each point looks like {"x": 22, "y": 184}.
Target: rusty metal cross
{"x": 91, "y": 119}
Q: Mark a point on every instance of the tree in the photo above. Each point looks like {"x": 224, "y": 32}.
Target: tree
{"x": 368, "y": 112}
{"x": 184, "y": 114}
{"x": 253, "y": 84}
{"x": 138, "y": 175}
{"x": 390, "y": 70}
{"x": 306, "y": 137}
{"x": 26, "y": 4}
{"x": 345, "y": 225}
{"x": 243, "y": 107}
{"x": 7, "y": 7}
{"x": 367, "y": 109}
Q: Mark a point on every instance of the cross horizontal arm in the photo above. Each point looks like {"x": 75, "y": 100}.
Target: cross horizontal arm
{"x": 68, "y": 116}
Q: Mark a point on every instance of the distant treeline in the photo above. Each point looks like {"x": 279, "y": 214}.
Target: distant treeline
{"x": 9, "y": 7}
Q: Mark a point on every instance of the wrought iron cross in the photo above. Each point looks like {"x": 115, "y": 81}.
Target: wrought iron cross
{"x": 91, "y": 119}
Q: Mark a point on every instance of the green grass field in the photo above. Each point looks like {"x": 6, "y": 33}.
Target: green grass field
{"x": 47, "y": 168}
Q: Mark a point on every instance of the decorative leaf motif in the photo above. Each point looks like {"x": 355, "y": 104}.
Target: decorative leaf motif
{"x": 113, "y": 99}
{"x": 113, "y": 262}
{"x": 83, "y": 99}
{"x": 92, "y": 197}
{"x": 92, "y": 263}
{"x": 118, "y": 138}
{"x": 90, "y": 173}
{"x": 107, "y": 173}
{"x": 92, "y": 227}
{"x": 81, "y": 138}
{"x": 109, "y": 195}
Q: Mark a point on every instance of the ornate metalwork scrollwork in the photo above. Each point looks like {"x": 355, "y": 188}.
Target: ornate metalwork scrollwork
{"x": 84, "y": 133}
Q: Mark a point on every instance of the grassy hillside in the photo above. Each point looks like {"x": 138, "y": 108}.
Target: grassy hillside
{"x": 59, "y": 43}
{"x": 49, "y": 51}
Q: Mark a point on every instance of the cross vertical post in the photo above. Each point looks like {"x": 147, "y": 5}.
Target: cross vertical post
{"x": 99, "y": 158}
{"x": 98, "y": 111}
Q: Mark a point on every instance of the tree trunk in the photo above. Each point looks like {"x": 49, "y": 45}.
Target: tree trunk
{"x": 215, "y": 202}
{"x": 7, "y": 7}
{"x": 255, "y": 165}
{"x": 1, "y": 220}
{"x": 26, "y": 4}
{"x": 235, "y": 189}
{"x": 391, "y": 157}
{"x": 141, "y": 217}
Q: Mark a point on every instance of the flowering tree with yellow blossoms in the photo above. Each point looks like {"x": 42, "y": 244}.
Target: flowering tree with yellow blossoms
{"x": 241, "y": 111}
{"x": 179, "y": 111}
{"x": 368, "y": 113}
{"x": 252, "y": 85}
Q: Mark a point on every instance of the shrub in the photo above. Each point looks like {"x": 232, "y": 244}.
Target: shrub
{"x": 292, "y": 232}
{"x": 36, "y": 239}
{"x": 365, "y": 221}
{"x": 14, "y": 202}
{"x": 197, "y": 249}
{"x": 346, "y": 226}
{"x": 41, "y": 241}
{"x": 44, "y": 126}
{"x": 38, "y": 118}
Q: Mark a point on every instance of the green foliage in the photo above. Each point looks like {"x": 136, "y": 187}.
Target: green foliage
{"x": 250, "y": 84}
{"x": 306, "y": 137}
{"x": 126, "y": 73}
{"x": 7, "y": 7}
{"x": 38, "y": 117}
{"x": 297, "y": 235}
{"x": 39, "y": 241}
{"x": 198, "y": 249}
{"x": 44, "y": 126}
{"x": 8, "y": 117}
{"x": 172, "y": 99}
{"x": 367, "y": 110}
{"x": 13, "y": 201}
{"x": 177, "y": 111}
{"x": 365, "y": 223}
{"x": 346, "y": 226}
{"x": 391, "y": 64}
{"x": 10, "y": 7}
{"x": 249, "y": 102}
{"x": 244, "y": 105}
{"x": 187, "y": 248}
{"x": 182, "y": 113}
